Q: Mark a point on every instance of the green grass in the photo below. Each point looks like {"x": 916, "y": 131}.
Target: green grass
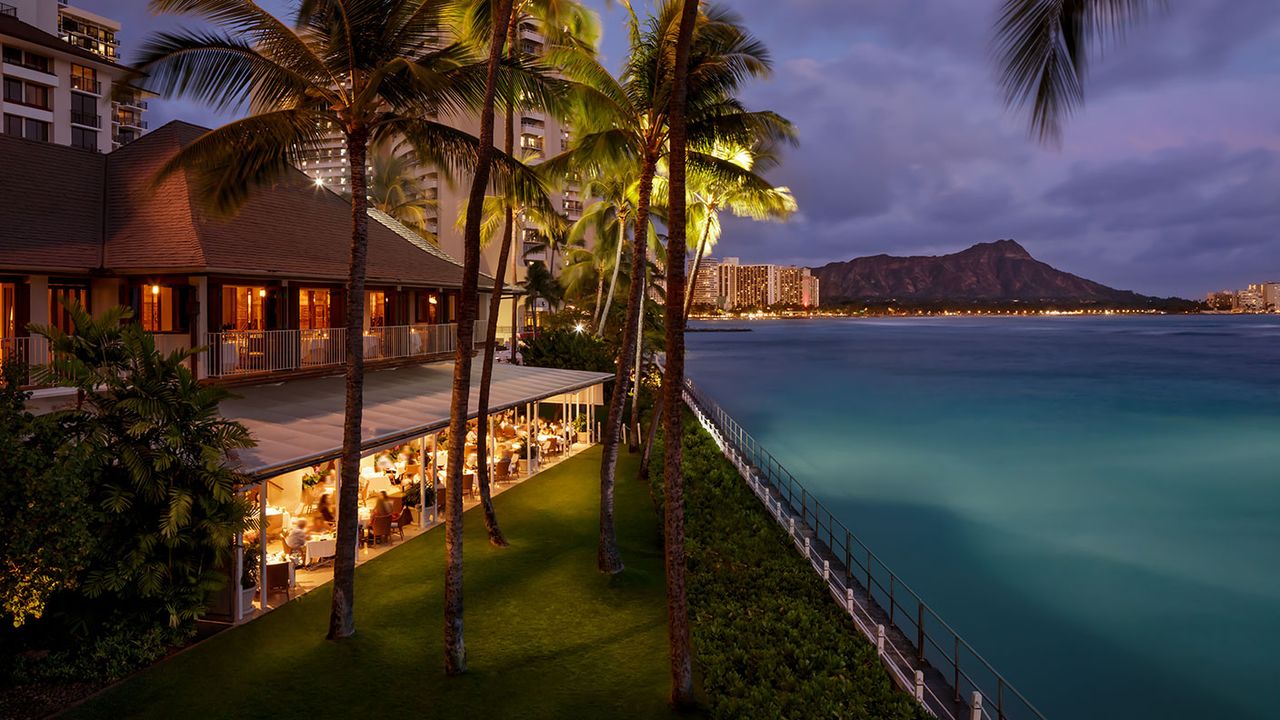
{"x": 547, "y": 635}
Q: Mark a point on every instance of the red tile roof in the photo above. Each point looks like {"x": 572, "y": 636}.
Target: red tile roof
{"x": 50, "y": 207}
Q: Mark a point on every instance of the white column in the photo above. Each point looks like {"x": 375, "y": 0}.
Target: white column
{"x": 422, "y": 482}
{"x": 529, "y": 439}
{"x": 435, "y": 488}
{"x": 262, "y": 546}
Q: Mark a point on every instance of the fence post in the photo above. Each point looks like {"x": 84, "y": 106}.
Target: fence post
{"x": 919, "y": 686}
{"x": 848, "y": 557}
{"x": 826, "y": 570}
{"x": 848, "y": 598}
{"x": 880, "y": 640}
{"x": 806, "y": 547}
{"x": 920, "y": 630}
{"x": 975, "y": 706}
{"x": 793, "y": 523}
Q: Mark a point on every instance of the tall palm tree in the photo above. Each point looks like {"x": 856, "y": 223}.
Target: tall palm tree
{"x": 540, "y": 284}
{"x": 562, "y": 22}
{"x": 369, "y": 68}
{"x": 455, "y": 648}
{"x": 628, "y": 125}
{"x": 395, "y": 187}
{"x": 673, "y": 383}
{"x": 1042, "y": 52}
{"x": 747, "y": 195}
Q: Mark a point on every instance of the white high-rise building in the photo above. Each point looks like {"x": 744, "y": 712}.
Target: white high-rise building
{"x": 60, "y": 69}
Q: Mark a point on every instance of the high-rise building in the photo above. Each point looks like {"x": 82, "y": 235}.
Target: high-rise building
{"x": 1271, "y": 296}
{"x": 61, "y": 69}
{"x": 758, "y": 287}
{"x": 797, "y": 287}
{"x": 705, "y": 288}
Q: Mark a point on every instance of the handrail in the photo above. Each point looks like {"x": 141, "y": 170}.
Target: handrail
{"x": 936, "y": 650}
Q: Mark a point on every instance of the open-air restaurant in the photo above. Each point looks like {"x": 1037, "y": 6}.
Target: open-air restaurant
{"x": 538, "y": 417}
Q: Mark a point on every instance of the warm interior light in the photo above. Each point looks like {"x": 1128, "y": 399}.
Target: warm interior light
{"x": 155, "y": 289}
{"x": 432, "y": 299}
{"x": 262, "y": 293}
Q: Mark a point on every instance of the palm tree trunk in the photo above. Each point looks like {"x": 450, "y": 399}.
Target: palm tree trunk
{"x": 341, "y": 613}
{"x": 455, "y": 652}
{"x": 673, "y": 475}
{"x": 496, "y": 538}
{"x": 633, "y": 443}
{"x": 599, "y": 293}
{"x": 655, "y": 419}
{"x": 608, "y": 559}
{"x": 613, "y": 282}
{"x": 697, "y": 262}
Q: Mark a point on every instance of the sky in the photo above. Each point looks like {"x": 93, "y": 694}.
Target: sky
{"x": 1167, "y": 182}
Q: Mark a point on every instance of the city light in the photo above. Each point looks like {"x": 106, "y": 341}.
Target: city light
{"x": 319, "y": 182}
{"x": 579, "y": 328}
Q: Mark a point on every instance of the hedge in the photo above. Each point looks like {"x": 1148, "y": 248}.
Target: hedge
{"x": 769, "y": 641}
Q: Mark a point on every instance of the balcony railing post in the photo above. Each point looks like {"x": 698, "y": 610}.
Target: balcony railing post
{"x": 920, "y": 630}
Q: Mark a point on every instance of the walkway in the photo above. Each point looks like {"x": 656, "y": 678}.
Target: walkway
{"x": 547, "y": 635}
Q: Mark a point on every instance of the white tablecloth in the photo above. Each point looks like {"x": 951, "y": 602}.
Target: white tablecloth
{"x": 372, "y": 346}
{"x": 315, "y": 350}
{"x": 319, "y": 550}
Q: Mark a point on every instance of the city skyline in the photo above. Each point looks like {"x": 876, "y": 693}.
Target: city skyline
{"x": 1164, "y": 184}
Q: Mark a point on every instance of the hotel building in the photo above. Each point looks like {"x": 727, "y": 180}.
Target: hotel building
{"x": 60, "y": 70}
{"x": 729, "y": 285}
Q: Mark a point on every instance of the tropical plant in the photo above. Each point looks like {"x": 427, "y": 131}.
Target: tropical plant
{"x": 745, "y": 195}
{"x": 540, "y": 285}
{"x": 367, "y": 68}
{"x": 395, "y": 187}
{"x": 569, "y": 350}
{"x": 627, "y": 127}
{"x": 673, "y": 486}
{"x": 1043, "y": 51}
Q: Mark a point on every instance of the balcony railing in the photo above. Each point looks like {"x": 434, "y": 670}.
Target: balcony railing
{"x": 249, "y": 352}
{"x": 9, "y": 10}
{"x": 30, "y": 351}
{"x": 86, "y": 119}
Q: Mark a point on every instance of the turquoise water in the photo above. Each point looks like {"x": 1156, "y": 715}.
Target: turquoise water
{"x": 1093, "y": 503}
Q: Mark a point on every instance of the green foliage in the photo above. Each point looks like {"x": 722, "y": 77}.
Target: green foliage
{"x": 43, "y": 492}
{"x": 140, "y": 466}
{"x": 768, "y": 639}
{"x": 569, "y": 350}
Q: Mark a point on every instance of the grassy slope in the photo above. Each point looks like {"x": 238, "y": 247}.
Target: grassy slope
{"x": 769, "y": 640}
{"x": 547, "y": 636}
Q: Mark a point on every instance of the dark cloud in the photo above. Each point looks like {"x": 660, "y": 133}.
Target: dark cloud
{"x": 1166, "y": 183}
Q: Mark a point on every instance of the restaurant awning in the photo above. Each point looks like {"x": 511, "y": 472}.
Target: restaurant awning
{"x": 298, "y": 423}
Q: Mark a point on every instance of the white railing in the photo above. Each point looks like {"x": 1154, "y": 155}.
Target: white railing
{"x": 31, "y": 351}
{"x": 249, "y": 352}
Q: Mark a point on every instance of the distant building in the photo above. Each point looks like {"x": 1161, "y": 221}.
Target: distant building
{"x": 727, "y": 284}
{"x": 705, "y": 287}
{"x": 1221, "y": 300}
{"x": 61, "y": 69}
{"x": 1271, "y": 296}
{"x": 797, "y": 287}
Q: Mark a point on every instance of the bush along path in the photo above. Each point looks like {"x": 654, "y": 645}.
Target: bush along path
{"x": 769, "y": 641}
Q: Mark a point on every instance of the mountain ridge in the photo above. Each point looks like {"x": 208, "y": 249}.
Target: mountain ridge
{"x": 996, "y": 272}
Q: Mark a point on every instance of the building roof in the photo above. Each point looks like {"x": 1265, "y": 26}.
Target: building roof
{"x": 292, "y": 229}
{"x": 50, "y": 207}
{"x": 298, "y": 423}
{"x": 13, "y": 27}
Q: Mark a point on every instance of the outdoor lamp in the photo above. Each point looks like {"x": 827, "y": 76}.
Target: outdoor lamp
{"x": 155, "y": 289}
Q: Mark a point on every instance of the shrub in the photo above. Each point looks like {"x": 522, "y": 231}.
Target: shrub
{"x": 768, "y": 639}
{"x": 569, "y": 350}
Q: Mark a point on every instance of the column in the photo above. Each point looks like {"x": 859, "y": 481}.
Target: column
{"x": 435, "y": 487}
{"x": 422, "y": 482}
{"x": 262, "y": 545}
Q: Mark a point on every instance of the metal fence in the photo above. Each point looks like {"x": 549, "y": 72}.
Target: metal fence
{"x": 923, "y": 654}
{"x": 32, "y": 352}
{"x": 246, "y": 352}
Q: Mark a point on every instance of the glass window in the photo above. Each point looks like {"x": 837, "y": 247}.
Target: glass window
{"x": 376, "y": 302}
{"x": 8, "y": 311}
{"x": 36, "y": 130}
{"x": 313, "y": 309}
{"x": 13, "y": 90}
{"x": 58, "y": 294}
{"x": 158, "y": 312}
{"x": 37, "y": 95}
{"x": 428, "y": 307}
{"x": 13, "y": 125}
{"x": 12, "y": 55}
{"x": 84, "y": 138}
{"x": 243, "y": 307}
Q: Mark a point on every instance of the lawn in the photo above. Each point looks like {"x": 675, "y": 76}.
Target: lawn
{"x": 547, "y": 635}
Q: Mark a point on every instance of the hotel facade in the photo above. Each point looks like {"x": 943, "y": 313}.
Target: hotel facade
{"x": 727, "y": 284}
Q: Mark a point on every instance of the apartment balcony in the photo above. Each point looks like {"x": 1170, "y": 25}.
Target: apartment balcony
{"x": 243, "y": 353}
{"x": 86, "y": 120}
{"x": 532, "y": 122}
{"x": 573, "y": 206}
{"x": 9, "y": 10}
{"x": 130, "y": 121}
{"x": 86, "y": 85}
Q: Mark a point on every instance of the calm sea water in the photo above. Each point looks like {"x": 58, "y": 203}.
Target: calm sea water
{"x": 1094, "y": 503}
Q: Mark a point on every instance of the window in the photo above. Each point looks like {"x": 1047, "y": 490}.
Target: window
{"x": 12, "y": 55}
{"x": 13, "y": 90}
{"x": 159, "y": 311}
{"x": 8, "y": 311}
{"x": 37, "y": 96}
{"x": 36, "y": 130}
{"x": 85, "y": 79}
{"x": 84, "y": 139}
{"x": 313, "y": 309}
{"x": 376, "y": 302}
{"x": 428, "y": 310}
{"x": 16, "y": 91}
{"x": 13, "y": 125}
{"x": 84, "y": 110}
{"x": 243, "y": 307}
{"x": 26, "y": 59}
{"x": 58, "y": 294}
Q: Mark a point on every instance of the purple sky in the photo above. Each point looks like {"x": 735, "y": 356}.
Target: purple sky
{"x": 1167, "y": 183}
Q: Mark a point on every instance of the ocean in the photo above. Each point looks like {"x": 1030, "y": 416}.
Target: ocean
{"x": 1092, "y": 502}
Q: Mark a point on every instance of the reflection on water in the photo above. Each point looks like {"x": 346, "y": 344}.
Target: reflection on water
{"x": 1093, "y": 502}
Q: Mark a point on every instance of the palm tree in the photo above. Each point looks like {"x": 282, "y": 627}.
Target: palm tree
{"x": 628, "y": 126}
{"x": 369, "y": 69}
{"x": 673, "y": 383}
{"x": 395, "y": 188}
{"x": 539, "y": 283}
{"x": 748, "y": 195}
{"x": 562, "y": 21}
{"x": 1042, "y": 48}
